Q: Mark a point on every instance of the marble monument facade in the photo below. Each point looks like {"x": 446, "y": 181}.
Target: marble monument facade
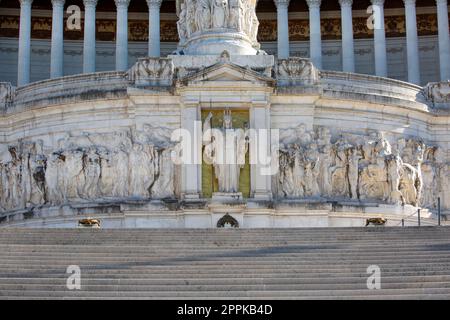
{"x": 128, "y": 146}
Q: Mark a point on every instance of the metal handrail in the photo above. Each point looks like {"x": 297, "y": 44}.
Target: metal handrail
{"x": 417, "y": 212}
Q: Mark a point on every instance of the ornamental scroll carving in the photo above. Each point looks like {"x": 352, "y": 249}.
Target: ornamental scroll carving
{"x": 152, "y": 71}
{"x": 438, "y": 92}
{"x": 6, "y": 93}
{"x": 296, "y": 71}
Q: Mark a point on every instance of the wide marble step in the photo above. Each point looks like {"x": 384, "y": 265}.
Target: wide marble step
{"x": 226, "y": 264}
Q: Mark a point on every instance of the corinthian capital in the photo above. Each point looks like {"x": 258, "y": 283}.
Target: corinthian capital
{"x": 282, "y": 3}
{"x": 346, "y": 3}
{"x": 314, "y": 4}
{"x": 378, "y": 2}
{"x": 122, "y": 3}
{"x": 155, "y": 4}
{"x": 57, "y": 3}
{"x": 26, "y": 2}
{"x": 90, "y": 3}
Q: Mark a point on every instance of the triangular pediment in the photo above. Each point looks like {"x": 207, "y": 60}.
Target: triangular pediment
{"x": 227, "y": 72}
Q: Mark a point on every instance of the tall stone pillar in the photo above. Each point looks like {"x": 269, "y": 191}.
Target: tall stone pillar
{"x": 283, "y": 28}
{"x": 154, "y": 46}
{"x": 191, "y": 171}
{"x": 315, "y": 32}
{"x": 89, "y": 52}
{"x": 57, "y": 51}
{"x": 412, "y": 42}
{"x": 23, "y": 74}
{"x": 444, "y": 39}
{"x": 122, "y": 35}
{"x": 260, "y": 182}
{"x": 348, "y": 47}
{"x": 380, "y": 39}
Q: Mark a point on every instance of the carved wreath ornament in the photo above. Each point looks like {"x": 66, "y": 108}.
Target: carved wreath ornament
{"x": 227, "y": 221}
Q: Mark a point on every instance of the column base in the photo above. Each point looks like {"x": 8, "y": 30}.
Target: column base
{"x": 190, "y": 196}
{"x": 262, "y": 195}
{"x": 227, "y": 196}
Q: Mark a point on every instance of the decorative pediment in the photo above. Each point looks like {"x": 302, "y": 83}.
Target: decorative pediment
{"x": 225, "y": 72}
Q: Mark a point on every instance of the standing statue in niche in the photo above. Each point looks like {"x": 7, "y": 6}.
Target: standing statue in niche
{"x": 225, "y": 149}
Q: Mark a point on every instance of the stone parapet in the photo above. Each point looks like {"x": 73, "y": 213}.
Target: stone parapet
{"x": 71, "y": 88}
{"x": 373, "y": 89}
{"x": 293, "y": 76}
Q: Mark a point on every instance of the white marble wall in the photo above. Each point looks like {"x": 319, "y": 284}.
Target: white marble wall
{"x": 109, "y": 102}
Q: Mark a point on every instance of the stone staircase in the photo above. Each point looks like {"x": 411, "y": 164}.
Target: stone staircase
{"x": 319, "y": 263}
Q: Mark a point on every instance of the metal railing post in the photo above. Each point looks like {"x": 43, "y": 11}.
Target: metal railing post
{"x": 403, "y": 222}
{"x": 439, "y": 211}
{"x": 418, "y": 217}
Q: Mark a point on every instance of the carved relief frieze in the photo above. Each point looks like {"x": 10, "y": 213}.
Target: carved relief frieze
{"x": 82, "y": 167}
{"x": 314, "y": 164}
{"x": 267, "y": 30}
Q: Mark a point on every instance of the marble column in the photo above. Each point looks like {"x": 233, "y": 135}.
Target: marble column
{"x": 191, "y": 171}
{"x": 348, "y": 47}
{"x": 260, "y": 181}
{"x": 315, "y": 32}
{"x": 122, "y": 35}
{"x": 444, "y": 39}
{"x": 283, "y": 28}
{"x": 89, "y": 52}
{"x": 154, "y": 47}
{"x": 57, "y": 51}
{"x": 23, "y": 74}
{"x": 379, "y": 39}
{"x": 412, "y": 42}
